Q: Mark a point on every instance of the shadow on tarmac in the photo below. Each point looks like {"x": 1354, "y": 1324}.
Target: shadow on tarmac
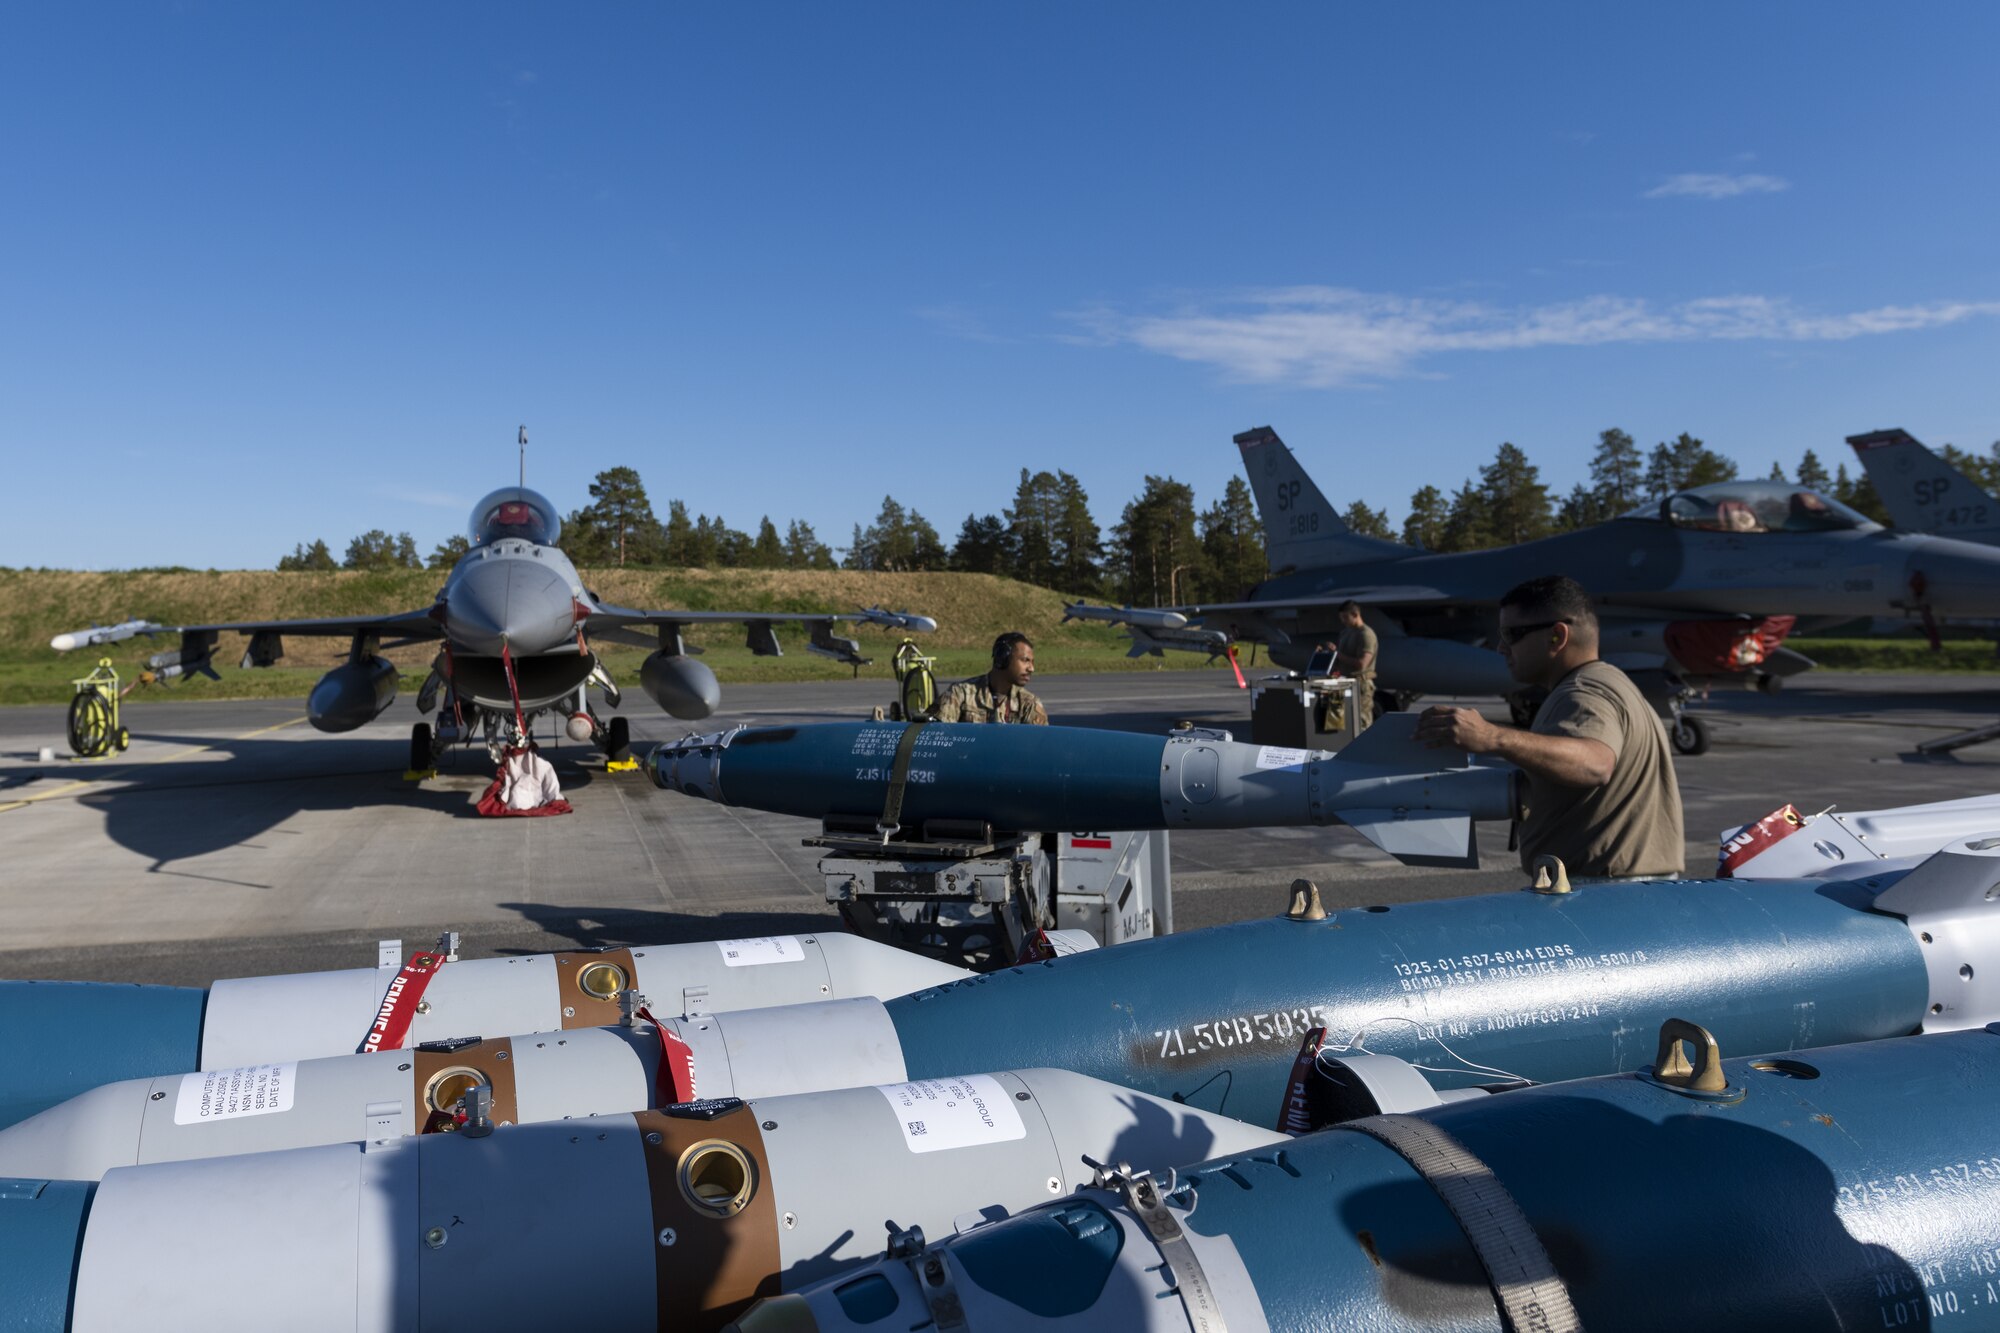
{"x": 613, "y": 927}
{"x": 179, "y": 809}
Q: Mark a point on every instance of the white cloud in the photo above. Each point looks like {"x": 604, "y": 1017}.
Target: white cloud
{"x": 1324, "y": 337}
{"x": 1709, "y": 185}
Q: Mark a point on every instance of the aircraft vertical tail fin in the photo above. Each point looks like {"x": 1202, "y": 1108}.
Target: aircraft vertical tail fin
{"x": 1302, "y": 529}
{"x": 1923, "y": 492}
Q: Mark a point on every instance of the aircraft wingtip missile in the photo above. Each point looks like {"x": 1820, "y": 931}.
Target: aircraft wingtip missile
{"x": 904, "y": 620}
{"x": 1144, "y": 617}
{"x": 101, "y": 634}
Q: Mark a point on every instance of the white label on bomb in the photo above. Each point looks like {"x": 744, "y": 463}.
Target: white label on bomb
{"x": 1277, "y": 756}
{"x": 229, "y": 1094}
{"x": 757, "y": 952}
{"x": 936, "y": 1114}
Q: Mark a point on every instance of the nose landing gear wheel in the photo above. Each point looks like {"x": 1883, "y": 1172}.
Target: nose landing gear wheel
{"x": 1689, "y": 735}
{"x": 421, "y": 754}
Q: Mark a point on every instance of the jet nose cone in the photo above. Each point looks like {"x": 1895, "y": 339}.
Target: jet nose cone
{"x": 508, "y": 600}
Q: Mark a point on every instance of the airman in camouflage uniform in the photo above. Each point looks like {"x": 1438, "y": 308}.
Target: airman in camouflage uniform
{"x": 1001, "y": 695}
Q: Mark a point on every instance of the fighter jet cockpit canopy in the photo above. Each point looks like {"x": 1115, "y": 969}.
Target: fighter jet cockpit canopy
{"x": 516, "y": 512}
{"x": 1754, "y": 506}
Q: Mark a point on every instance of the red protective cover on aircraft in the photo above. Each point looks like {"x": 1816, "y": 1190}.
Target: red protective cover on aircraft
{"x": 399, "y": 1003}
{"x": 1756, "y": 838}
{"x": 493, "y": 801}
{"x": 1726, "y": 647}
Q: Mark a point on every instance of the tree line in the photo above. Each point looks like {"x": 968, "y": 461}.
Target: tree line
{"x": 1166, "y": 547}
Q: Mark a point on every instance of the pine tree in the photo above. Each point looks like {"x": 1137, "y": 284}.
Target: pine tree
{"x": 1812, "y": 472}
{"x": 1616, "y": 471}
{"x": 621, "y": 516}
{"x": 449, "y": 550}
{"x": 1031, "y": 528}
{"x": 1079, "y": 545}
{"x": 1232, "y": 542}
{"x": 316, "y": 558}
{"x": 376, "y": 549}
{"x": 1424, "y": 528}
{"x": 1155, "y": 552}
{"x": 768, "y": 551}
{"x": 1516, "y": 502}
{"x": 1368, "y": 522}
{"x": 677, "y": 536}
{"x": 981, "y": 547}
{"x": 1466, "y": 525}
{"x": 804, "y": 549}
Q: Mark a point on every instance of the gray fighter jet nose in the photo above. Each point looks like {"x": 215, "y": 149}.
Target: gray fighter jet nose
{"x": 1955, "y": 579}
{"x": 511, "y": 600}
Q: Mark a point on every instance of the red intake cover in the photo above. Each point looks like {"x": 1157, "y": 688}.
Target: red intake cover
{"x": 1725, "y": 647}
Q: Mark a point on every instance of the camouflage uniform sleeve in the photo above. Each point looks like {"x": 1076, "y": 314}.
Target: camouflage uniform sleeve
{"x": 951, "y": 706}
{"x": 1034, "y": 714}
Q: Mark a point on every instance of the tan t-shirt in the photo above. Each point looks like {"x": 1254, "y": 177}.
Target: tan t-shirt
{"x": 1632, "y": 824}
{"x": 1355, "y": 641}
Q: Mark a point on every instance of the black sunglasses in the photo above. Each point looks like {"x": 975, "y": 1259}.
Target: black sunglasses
{"x": 1513, "y": 634}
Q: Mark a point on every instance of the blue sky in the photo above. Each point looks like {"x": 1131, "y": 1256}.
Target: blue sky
{"x": 296, "y": 271}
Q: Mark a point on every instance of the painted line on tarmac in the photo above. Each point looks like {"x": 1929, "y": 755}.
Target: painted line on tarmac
{"x": 79, "y": 785}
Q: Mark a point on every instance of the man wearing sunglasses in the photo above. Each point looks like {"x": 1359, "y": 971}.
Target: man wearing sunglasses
{"x": 1601, "y": 792}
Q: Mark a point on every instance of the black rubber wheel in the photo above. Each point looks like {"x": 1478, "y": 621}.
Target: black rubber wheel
{"x": 421, "y": 754}
{"x": 90, "y": 731}
{"x": 124, "y": 738}
{"x": 1689, "y": 735}
{"x": 618, "y": 739}
{"x": 1387, "y": 701}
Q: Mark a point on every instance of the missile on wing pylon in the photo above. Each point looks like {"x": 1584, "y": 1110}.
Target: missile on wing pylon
{"x": 679, "y": 1217}
{"x": 62, "y": 1038}
{"x": 903, "y": 620}
{"x": 1498, "y": 989}
{"x": 1406, "y": 798}
{"x": 1144, "y": 617}
{"x": 99, "y": 635}
{"x": 1804, "y": 1193}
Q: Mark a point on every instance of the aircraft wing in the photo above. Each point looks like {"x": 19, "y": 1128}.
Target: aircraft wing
{"x": 1410, "y": 595}
{"x": 197, "y": 651}
{"x": 623, "y": 624}
{"x": 406, "y": 625}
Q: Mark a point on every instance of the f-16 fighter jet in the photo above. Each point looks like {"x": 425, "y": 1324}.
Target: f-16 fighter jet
{"x": 1704, "y": 584}
{"x": 515, "y": 627}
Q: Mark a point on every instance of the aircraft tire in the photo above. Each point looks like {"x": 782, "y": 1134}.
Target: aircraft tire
{"x": 1387, "y": 701}
{"x": 618, "y": 738}
{"x": 421, "y": 754}
{"x": 1689, "y": 735}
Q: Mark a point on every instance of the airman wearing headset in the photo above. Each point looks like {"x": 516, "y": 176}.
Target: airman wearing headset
{"x": 1001, "y": 695}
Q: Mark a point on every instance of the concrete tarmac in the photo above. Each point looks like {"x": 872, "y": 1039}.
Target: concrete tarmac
{"x": 233, "y": 840}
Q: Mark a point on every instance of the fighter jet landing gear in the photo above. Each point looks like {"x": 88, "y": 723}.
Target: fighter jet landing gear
{"x": 617, "y": 743}
{"x": 1689, "y": 735}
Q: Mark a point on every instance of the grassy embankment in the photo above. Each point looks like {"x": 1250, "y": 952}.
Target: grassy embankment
{"x": 970, "y": 609}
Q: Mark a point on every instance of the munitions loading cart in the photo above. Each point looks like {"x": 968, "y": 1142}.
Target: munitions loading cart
{"x": 95, "y": 729}
{"x": 968, "y": 893}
